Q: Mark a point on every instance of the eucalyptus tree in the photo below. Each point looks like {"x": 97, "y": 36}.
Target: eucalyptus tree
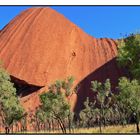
{"x": 40, "y": 119}
{"x": 102, "y": 92}
{"x": 10, "y": 107}
{"x": 128, "y": 99}
{"x": 129, "y": 55}
{"x": 55, "y": 104}
{"x": 86, "y": 114}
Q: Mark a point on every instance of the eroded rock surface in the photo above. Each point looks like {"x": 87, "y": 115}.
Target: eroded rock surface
{"x": 40, "y": 46}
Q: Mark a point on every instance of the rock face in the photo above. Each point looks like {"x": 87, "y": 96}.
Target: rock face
{"x": 40, "y": 46}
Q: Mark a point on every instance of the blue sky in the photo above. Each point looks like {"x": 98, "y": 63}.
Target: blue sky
{"x": 98, "y": 21}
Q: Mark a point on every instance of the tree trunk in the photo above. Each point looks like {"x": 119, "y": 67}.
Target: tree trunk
{"x": 17, "y": 127}
{"x": 61, "y": 126}
{"x": 7, "y": 130}
{"x": 100, "y": 125}
{"x": 69, "y": 121}
{"x": 100, "y": 121}
{"x": 88, "y": 123}
{"x": 12, "y": 129}
{"x": 137, "y": 125}
{"x": 49, "y": 126}
{"x": 44, "y": 126}
{"x": 53, "y": 125}
{"x": 104, "y": 121}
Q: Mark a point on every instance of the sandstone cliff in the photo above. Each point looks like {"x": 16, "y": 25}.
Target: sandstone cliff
{"x": 40, "y": 46}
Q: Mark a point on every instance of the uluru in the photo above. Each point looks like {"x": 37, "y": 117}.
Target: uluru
{"x": 40, "y": 46}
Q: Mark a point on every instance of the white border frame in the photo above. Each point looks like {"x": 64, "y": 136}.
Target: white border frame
{"x": 69, "y": 2}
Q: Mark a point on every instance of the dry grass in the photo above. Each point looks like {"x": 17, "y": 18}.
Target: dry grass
{"x": 105, "y": 130}
{"x": 109, "y": 129}
{"x": 128, "y": 129}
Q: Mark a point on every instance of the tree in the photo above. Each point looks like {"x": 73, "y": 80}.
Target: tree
{"x": 129, "y": 55}
{"x": 86, "y": 114}
{"x": 102, "y": 98}
{"x": 40, "y": 118}
{"x": 128, "y": 99}
{"x": 67, "y": 85}
{"x": 55, "y": 104}
{"x": 56, "y": 107}
{"x": 23, "y": 122}
{"x": 10, "y": 108}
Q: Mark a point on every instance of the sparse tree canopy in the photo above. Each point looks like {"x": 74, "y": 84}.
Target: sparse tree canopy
{"x": 54, "y": 102}
{"x": 103, "y": 90}
{"x": 129, "y": 55}
{"x": 128, "y": 100}
{"x": 87, "y": 114}
{"x": 10, "y": 108}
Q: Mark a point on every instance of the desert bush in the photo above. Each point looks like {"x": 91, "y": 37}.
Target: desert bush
{"x": 10, "y": 107}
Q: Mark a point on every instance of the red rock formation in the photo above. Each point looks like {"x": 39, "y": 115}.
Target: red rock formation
{"x": 40, "y": 46}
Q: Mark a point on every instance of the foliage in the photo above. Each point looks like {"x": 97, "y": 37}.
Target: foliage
{"x": 54, "y": 102}
{"x": 40, "y": 114}
{"x": 54, "y": 105}
{"x": 10, "y": 108}
{"x": 62, "y": 86}
{"x": 87, "y": 114}
{"x": 128, "y": 100}
{"x": 129, "y": 54}
{"x": 103, "y": 92}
